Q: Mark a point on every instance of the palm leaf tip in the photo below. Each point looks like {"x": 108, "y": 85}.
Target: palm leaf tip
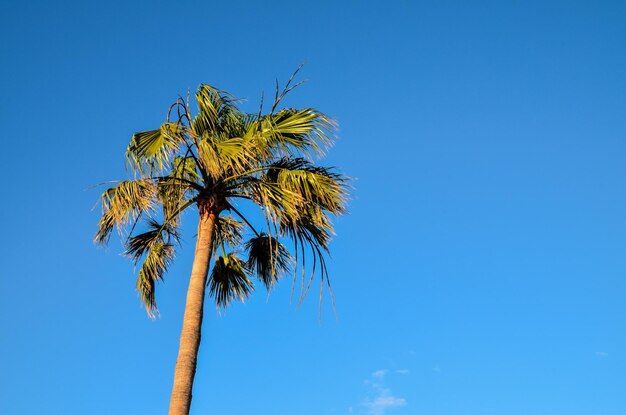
{"x": 268, "y": 259}
{"x": 229, "y": 281}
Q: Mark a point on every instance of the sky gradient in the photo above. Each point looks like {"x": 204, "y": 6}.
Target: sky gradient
{"x": 482, "y": 267}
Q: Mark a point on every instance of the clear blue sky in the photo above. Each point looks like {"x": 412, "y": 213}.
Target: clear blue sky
{"x": 482, "y": 270}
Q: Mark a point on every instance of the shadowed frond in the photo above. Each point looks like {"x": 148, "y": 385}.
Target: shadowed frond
{"x": 227, "y": 231}
{"x": 268, "y": 259}
{"x": 138, "y": 245}
{"x": 228, "y": 281}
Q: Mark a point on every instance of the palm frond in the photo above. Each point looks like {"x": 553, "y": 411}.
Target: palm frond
{"x": 138, "y": 245}
{"x": 215, "y": 108}
{"x": 124, "y": 203}
{"x": 268, "y": 259}
{"x": 177, "y": 188}
{"x": 290, "y": 131}
{"x": 105, "y": 228}
{"x": 228, "y": 281}
{"x": 313, "y": 184}
{"x": 152, "y": 150}
{"x": 185, "y": 168}
{"x": 158, "y": 259}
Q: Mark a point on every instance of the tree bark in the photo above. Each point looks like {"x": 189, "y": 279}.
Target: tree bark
{"x": 180, "y": 401}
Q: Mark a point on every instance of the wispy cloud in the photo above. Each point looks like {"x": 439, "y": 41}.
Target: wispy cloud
{"x": 382, "y": 401}
{"x": 402, "y": 371}
{"x": 381, "y": 398}
{"x": 379, "y": 374}
{"x": 602, "y": 354}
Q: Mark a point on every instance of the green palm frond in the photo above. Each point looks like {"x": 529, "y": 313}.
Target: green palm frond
{"x": 290, "y": 130}
{"x": 216, "y": 108}
{"x": 153, "y": 149}
{"x": 275, "y": 200}
{"x": 313, "y": 184}
{"x": 185, "y": 168}
{"x": 105, "y": 228}
{"x": 268, "y": 259}
{"x": 228, "y": 281}
{"x": 124, "y": 203}
{"x": 138, "y": 245}
{"x": 158, "y": 259}
{"x": 157, "y": 249}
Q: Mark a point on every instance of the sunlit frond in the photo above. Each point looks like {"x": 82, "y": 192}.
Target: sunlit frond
{"x": 157, "y": 260}
{"x": 274, "y": 200}
{"x": 214, "y": 106}
{"x": 124, "y": 203}
{"x": 105, "y": 228}
{"x": 153, "y": 149}
{"x": 228, "y": 281}
{"x": 185, "y": 168}
{"x": 292, "y": 131}
{"x": 268, "y": 259}
{"x": 313, "y": 184}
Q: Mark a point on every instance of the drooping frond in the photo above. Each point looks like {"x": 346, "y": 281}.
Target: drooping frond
{"x": 158, "y": 259}
{"x": 311, "y": 232}
{"x": 156, "y": 248}
{"x": 140, "y": 244}
{"x": 268, "y": 259}
{"x": 228, "y": 281}
{"x": 275, "y": 200}
{"x": 122, "y": 204}
{"x": 313, "y": 184}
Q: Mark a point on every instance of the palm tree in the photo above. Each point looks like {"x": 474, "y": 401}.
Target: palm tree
{"x": 217, "y": 161}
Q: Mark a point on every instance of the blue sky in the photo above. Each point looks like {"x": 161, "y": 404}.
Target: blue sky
{"x": 481, "y": 269}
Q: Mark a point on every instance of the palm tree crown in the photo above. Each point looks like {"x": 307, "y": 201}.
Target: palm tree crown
{"x": 211, "y": 161}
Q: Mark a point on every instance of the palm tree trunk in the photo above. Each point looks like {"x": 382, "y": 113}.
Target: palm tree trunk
{"x": 180, "y": 401}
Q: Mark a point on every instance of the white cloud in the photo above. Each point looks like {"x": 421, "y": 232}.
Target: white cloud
{"x": 602, "y": 354}
{"x": 381, "y": 398}
{"x": 382, "y": 401}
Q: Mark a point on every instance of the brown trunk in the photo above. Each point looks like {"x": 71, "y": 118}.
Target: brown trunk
{"x": 180, "y": 401}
